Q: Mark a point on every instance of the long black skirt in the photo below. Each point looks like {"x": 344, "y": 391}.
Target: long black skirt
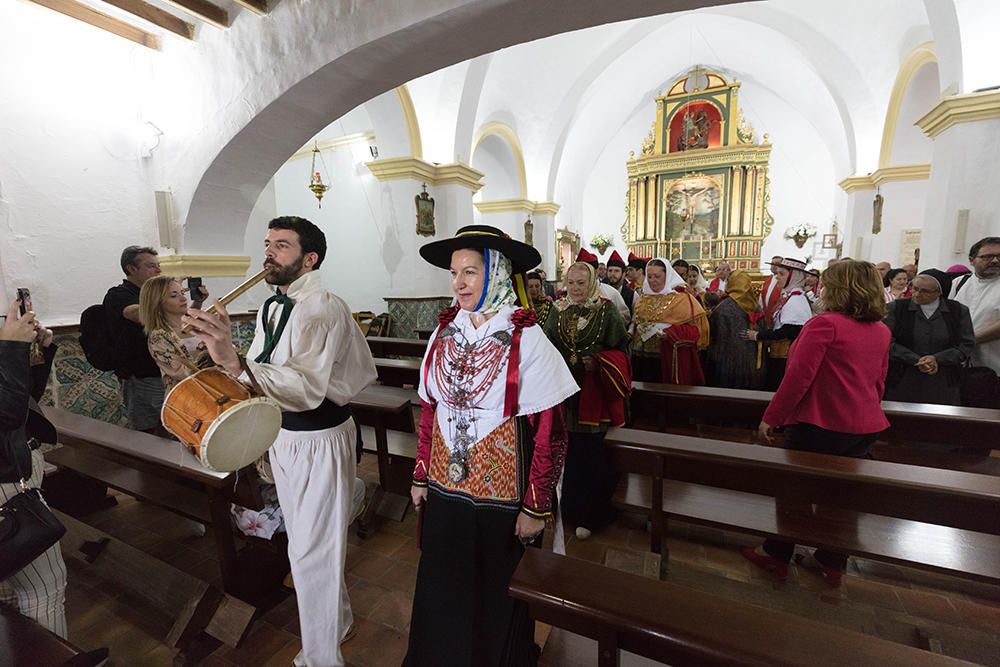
{"x": 589, "y": 481}
{"x": 462, "y": 614}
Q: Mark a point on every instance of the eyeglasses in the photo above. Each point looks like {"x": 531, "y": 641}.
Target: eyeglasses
{"x": 988, "y": 258}
{"x": 921, "y": 290}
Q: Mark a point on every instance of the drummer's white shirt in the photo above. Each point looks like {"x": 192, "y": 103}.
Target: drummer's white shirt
{"x": 321, "y": 353}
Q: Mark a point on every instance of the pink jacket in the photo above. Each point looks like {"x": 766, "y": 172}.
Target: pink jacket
{"x": 835, "y": 376}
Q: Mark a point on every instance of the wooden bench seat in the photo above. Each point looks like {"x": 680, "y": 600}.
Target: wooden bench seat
{"x": 384, "y": 346}
{"x": 681, "y": 626}
{"x": 946, "y": 498}
{"x": 138, "y": 483}
{"x": 25, "y": 642}
{"x": 941, "y": 549}
{"x": 398, "y": 372}
{"x": 399, "y": 443}
{"x": 958, "y": 427}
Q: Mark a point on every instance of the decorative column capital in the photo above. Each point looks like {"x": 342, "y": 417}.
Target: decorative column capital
{"x": 418, "y": 169}
{"x": 957, "y": 109}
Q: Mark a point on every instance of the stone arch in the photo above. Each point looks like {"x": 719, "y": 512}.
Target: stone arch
{"x": 293, "y": 98}
{"x": 914, "y": 62}
{"x": 412, "y": 125}
{"x": 508, "y": 135}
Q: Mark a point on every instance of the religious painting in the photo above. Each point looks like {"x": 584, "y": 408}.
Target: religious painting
{"x": 425, "y": 213}
{"x": 692, "y": 208}
{"x": 696, "y": 125}
{"x": 529, "y": 232}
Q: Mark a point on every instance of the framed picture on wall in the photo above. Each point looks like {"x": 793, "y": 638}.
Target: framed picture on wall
{"x": 829, "y": 242}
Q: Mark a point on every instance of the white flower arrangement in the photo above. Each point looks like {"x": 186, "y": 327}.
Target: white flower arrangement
{"x": 601, "y": 240}
{"x": 800, "y": 230}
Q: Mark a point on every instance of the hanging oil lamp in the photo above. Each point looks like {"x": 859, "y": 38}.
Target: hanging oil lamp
{"x": 316, "y": 183}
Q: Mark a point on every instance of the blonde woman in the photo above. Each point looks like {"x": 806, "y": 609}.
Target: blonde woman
{"x": 162, "y": 303}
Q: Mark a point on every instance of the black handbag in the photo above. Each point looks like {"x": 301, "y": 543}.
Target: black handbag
{"x": 27, "y": 526}
{"x": 980, "y": 387}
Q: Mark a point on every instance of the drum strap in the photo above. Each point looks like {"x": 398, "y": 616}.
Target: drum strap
{"x": 271, "y": 337}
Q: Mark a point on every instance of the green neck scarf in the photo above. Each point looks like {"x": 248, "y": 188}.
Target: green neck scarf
{"x": 271, "y": 337}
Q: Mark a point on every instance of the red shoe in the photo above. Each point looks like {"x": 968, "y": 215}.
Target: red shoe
{"x": 832, "y": 577}
{"x": 765, "y": 562}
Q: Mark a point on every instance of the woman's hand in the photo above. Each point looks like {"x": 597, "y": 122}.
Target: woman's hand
{"x": 748, "y": 334}
{"x": 418, "y": 494}
{"x": 45, "y": 336}
{"x": 18, "y": 327}
{"x": 765, "y": 431}
{"x": 528, "y": 528}
{"x": 927, "y": 364}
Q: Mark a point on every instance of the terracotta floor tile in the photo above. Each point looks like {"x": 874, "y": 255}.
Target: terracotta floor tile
{"x": 260, "y": 644}
{"x": 284, "y": 655}
{"x": 400, "y": 577}
{"x": 978, "y": 616}
{"x": 586, "y": 550}
{"x": 374, "y": 645}
{"x": 365, "y": 597}
{"x": 408, "y": 553}
{"x": 872, "y": 592}
{"x": 370, "y": 566}
{"x": 929, "y": 605}
{"x": 280, "y": 614}
{"x": 384, "y": 543}
{"x": 393, "y": 610}
{"x": 625, "y": 561}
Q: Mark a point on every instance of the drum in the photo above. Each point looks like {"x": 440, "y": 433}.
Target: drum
{"x": 224, "y": 423}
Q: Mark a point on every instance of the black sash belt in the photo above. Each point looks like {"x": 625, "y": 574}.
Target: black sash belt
{"x": 327, "y": 415}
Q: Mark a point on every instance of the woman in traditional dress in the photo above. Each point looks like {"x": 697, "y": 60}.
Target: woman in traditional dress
{"x": 668, "y": 329}
{"x": 491, "y": 447}
{"x": 697, "y": 285}
{"x": 590, "y": 334}
{"x": 783, "y": 325}
{"x": 729, "y": 360}
{"x": 162, "y": 303}
{"x": 830, "y": 398}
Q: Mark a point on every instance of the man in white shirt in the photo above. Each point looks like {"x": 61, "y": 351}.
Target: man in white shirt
{"x": 980, "y": 291}
{"x": 311, "y": 358}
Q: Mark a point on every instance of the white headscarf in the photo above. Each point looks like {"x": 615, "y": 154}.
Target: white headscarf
{"x": 701, "y": 285}
{"x": 673, "y": 280}
{"x": 796, "y": 278}
{"x": 498, "y": 289}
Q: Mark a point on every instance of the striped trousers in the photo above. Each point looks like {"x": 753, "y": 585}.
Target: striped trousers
{"x": 39, "y": 590}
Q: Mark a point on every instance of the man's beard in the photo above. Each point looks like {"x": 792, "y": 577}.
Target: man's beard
{"x": 616, "y": 284}
{"x": 283, "y": 275}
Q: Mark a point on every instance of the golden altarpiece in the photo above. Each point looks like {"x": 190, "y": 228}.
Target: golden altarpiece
{"x": 699, "y": 188}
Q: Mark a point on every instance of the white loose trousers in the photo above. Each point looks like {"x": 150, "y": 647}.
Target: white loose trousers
{"x": 314, "y": 473}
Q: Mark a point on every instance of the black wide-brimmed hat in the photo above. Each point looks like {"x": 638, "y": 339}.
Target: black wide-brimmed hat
{"x": 521, "y": 255}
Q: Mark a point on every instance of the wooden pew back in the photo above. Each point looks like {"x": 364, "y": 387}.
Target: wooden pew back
{"x": 680, "y": 626}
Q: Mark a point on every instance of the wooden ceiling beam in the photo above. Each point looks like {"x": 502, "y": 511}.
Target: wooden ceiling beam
{"x": 203, "y": 10}
{"x": 156, "y": 16}
{"x": 105, "y": 22}
{"x": 258, "y": 7}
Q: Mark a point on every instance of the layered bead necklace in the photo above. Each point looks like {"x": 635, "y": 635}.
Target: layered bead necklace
{"x": 464, "y": 371}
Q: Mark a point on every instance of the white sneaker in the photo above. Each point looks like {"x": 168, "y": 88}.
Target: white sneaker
{"x": 582, "y": 533}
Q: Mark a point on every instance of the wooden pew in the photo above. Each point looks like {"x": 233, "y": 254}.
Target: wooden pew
{"x": 950, "y": 425}
{"x": 680, "y": 626}
{"x": 378, "y": 412}
{"x": 155, "y": 469}
{"x": 424, "y": 333}
{"x": 383, "y": 346}
{"x": 398, "y": 372}
{"x": 865, "y": 506}
{"x": 194, "y": 606}
{"x": 25, "y": 642}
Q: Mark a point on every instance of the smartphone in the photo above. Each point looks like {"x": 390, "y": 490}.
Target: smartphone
{"x": 24, "y": 295}
{"x": 193, "y": 286}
